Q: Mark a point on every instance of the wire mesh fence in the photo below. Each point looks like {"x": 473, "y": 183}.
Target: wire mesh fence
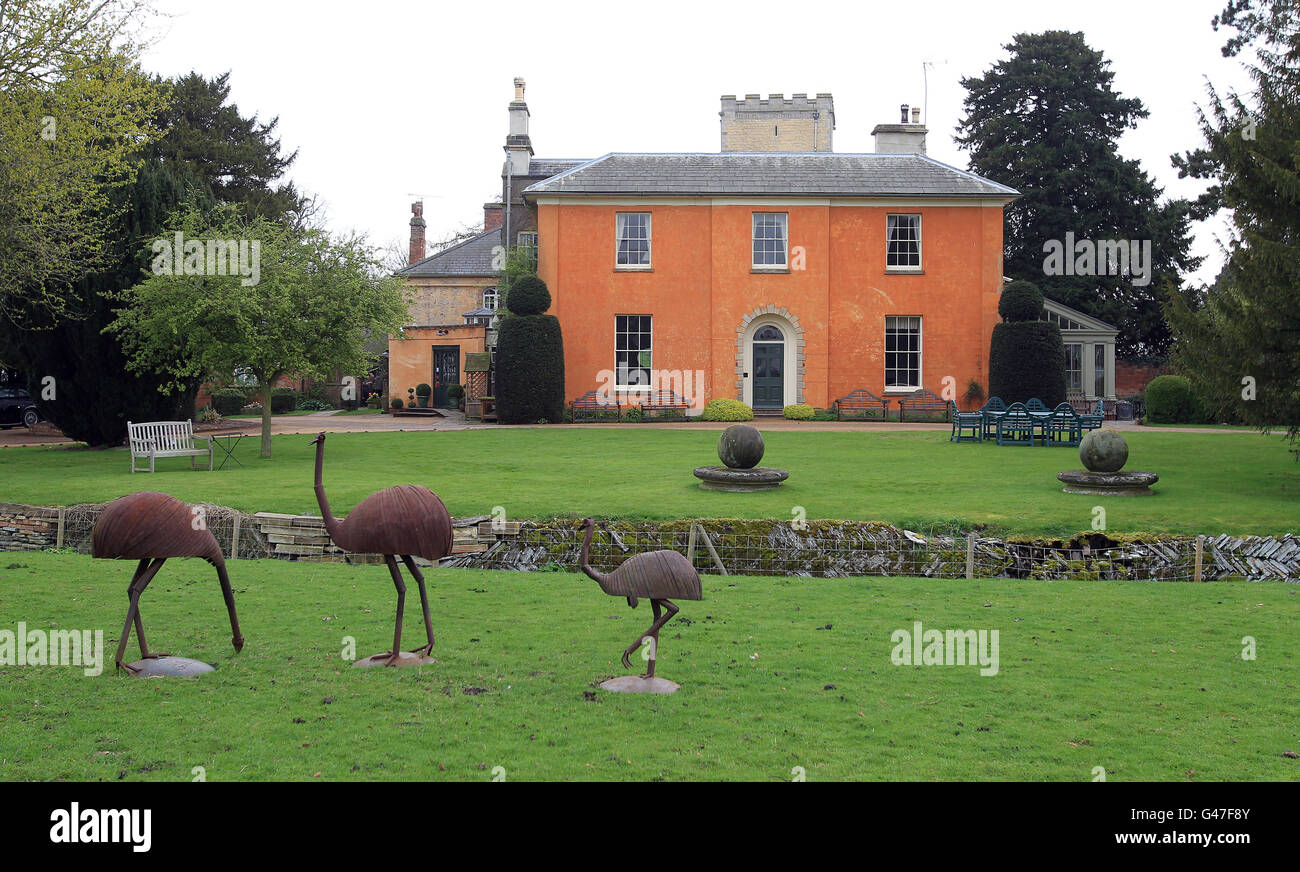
{"x": 817, "y": 549}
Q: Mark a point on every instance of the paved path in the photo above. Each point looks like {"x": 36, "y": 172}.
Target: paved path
{"x": 332, "y": 422}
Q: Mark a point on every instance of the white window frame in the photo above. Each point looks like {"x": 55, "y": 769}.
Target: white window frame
{"x": 784, "y": 265}
{"x": 620, "y": 228}
{"x": 920, "y": 356}
{"x": 491, "y": 298}
{"x": 1080, "y": 346}
{"x": 527, "y": 239}
{"x": 650, "y": 368}
{"x": 920, "y": 250}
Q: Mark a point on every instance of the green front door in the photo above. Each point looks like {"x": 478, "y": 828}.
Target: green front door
{"x": 769, "y": 369}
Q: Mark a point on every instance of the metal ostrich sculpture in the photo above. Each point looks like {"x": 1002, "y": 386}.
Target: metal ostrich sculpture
{"x": 151, "y": 527}
{"x": 660, "y": 576}
{"x": 404, "y": 521}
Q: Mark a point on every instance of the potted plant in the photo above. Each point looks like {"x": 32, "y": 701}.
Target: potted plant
{"x": 410, "y": 398}
{"x": 423, "y": 391}
{"x": 457, "y": 393}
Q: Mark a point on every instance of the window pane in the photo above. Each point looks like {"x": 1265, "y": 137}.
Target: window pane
{"x": 903, "y": 233}
{"x": 769, "y": 238}
{"x": 902, "y": 351}
{"x": 633, "y": 238}
{"x": 632, "y": 350}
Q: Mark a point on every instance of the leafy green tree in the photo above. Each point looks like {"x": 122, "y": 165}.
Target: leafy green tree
{"x": 1046, "y": 121}
{"x": 74, "y": 109}
{"x": 208, "y": 153}
{"x": 1237, "y": 341}
{"x": 301, "y": 301}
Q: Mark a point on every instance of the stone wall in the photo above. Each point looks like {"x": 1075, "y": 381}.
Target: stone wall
{"x": 824, "y": 549}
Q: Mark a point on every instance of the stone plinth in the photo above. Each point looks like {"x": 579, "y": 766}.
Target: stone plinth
{"x": 1120, "y": 484}
{"x": 740, "y": 480}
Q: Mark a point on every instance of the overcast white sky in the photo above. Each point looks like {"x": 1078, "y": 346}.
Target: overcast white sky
{"x": 387, "y": 99}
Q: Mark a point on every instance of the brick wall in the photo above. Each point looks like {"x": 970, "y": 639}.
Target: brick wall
{"x": 1132, "y": 378}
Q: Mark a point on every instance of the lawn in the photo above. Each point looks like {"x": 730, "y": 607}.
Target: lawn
{"x": 1143, "y": 679}
{"x": 1238, "y": 483}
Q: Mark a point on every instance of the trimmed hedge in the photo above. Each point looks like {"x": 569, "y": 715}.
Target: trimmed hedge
{"x": 528, "y": 296}
{"x": 229, "y": 401}
{"x": 530, "y": 358}
{"x": 1026, "y": 360}
{"x": 801, "y": 412}
{"x": 723, "y": 409}
{"x": 1170, "y": 399}
{"x": 283, "y": 401}
{"x": 1021, "y": 301}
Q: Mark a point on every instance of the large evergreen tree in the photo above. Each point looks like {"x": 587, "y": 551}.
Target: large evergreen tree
{"x": 1046, "y": 121}
{"x": 209, "y": 154}
{"x": 1241, "y": 347}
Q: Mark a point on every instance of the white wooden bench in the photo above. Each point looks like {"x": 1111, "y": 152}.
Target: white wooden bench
{"x": 165, "y": 439}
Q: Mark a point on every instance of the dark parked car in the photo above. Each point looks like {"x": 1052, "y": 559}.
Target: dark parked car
{"x": 16, "y": 407}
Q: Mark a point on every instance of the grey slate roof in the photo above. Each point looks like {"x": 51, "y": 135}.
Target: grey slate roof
{"x": 549, "y": 166}
{"x": 473, "y": 257}
{"x": 739, "y": 174}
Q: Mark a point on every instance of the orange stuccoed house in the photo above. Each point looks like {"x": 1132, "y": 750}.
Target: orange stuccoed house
{"x": 773, "y": 278}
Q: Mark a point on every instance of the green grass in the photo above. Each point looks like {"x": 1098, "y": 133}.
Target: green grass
{"x": 1143, "y": 679}
{"x": 1209, "y": 483}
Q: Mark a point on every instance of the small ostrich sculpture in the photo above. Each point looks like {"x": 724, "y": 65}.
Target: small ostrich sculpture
{"x": 659, "y": 576}
{"x": 403, "y": 521}
{"x": 151, "y": 527}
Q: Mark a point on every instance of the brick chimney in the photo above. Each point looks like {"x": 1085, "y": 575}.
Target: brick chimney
{"x": 493, "y": 215}
{"x": 417, "y": 232}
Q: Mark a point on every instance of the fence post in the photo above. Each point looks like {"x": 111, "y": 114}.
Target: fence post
{"x": 58, "y": 533}
{"x": 970, "y": 554}
{"x": 690, "y": 545}
{"x": 1200, "y": 553}
{"x": 234, "y": 540}
{"x": 708, "y": 544}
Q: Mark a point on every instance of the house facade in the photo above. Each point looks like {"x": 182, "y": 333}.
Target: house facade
{"x": 773, "y": 278}
{"x": 455, "y": 290}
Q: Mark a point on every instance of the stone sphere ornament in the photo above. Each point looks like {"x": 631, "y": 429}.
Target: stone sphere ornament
{"x": 740, "y": 446}
{"x": 1103, "y": 451}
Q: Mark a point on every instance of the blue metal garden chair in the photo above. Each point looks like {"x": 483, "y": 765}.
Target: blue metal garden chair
{"x": 1016, "y": 426}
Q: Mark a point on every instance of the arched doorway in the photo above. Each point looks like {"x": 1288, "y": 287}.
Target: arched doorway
{"x": 768, "y": 373}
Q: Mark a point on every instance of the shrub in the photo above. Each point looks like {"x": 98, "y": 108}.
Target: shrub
{"x": 455, "y": 392}
{"x": 1026, "y": 360}
{"x": 313, "y": 405}
{"x": 397, "y": 403}
{"x": 632, "y": 415}
{"x": 1020, "y": 301}
{"x": 723, "y": 409}
{"x": 423, "y": 390}
{"x": 283, "y": 401}
{"x": 801, "y": 412}
{"x": 1171, "y": 400}
{"x": 208, "y": 415}
{"x": 228, "y": 401}
{"x": 530, "y": 358}
{"x": 528, "y": 296}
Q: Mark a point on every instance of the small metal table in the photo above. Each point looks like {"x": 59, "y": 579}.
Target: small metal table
{"x": 228, "y": 447}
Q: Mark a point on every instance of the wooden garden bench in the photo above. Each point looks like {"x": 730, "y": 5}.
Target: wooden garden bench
{"x": 861, "y": 401}
{"x": 1063, "y": 427}
{"x": 663, "y": 401}
{"x": 165, "y": 439}
{"x": 924, "y": 401}
{"x": 593, "y": 404}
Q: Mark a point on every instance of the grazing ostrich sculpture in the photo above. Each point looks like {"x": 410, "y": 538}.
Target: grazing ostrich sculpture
{"x": 403, "y": 521}
{"x": 151, "y": 527}
{"x": 659, "y": 576}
